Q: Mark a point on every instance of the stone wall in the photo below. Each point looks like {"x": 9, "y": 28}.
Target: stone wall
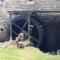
{"x": 38, "y": 5}
{"x": 4, "y": 30}
{"x": 12, "y": 5}
{"x": 41, "y": 5}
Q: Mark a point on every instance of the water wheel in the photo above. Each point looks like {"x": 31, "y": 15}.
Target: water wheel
{"x": 36, "y": 28}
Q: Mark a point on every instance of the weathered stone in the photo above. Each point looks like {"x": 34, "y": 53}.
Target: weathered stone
{"x": 12, "y": 5}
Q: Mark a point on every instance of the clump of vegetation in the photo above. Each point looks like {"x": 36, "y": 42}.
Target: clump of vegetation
{"x": 27, "y": 53}
{"x": 11, "y": 53}
{"x": 58, "y": 52}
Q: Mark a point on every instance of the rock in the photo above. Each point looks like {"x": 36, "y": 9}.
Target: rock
{"x": 20, "y": 45}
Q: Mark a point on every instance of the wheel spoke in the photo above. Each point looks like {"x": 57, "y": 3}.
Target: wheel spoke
{"x": 18, "y": 26}
{"x": 14, "y": 32}
{"x": 21, "y": 29}
{"x": 25, "y": 32}
{"x": 24, "y": 24}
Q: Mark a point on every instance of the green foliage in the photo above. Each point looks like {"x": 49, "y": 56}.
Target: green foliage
{"x": 58, "y": 52}
{"x": 27, "y": 53}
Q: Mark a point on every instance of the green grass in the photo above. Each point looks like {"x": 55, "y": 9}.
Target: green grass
{"x": 27, "y": 53}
